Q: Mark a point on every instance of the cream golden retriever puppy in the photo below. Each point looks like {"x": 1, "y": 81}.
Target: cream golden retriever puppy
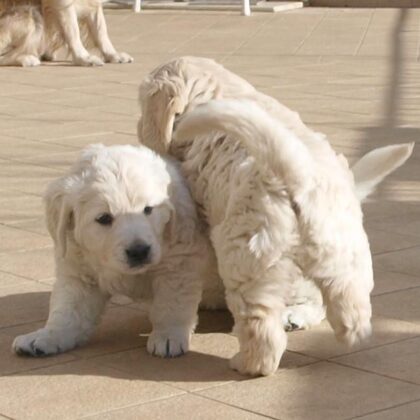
{"x": 33, "y": 30}
{"x": 282, "y": 207}
{"x": 123, "y": 222}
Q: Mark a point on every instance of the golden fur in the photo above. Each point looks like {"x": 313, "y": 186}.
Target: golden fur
{"x": 34, "y": 30}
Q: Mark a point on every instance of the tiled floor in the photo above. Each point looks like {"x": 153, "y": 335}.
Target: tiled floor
{"x": 353, "y": 74}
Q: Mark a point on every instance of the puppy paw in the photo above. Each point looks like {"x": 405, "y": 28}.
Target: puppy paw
{"x": 302, "y": 317}
{"x": 29, "y": 61}
{"x": 168, "y": 344}
{"x": 38, "y": 344}
{"x": 88, "y": 61}
{"x": 121, "y": 57}
{"x": 351, "y": 324}
{"x": 254, "y": 367}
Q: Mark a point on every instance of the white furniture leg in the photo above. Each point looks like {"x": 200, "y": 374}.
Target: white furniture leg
{"x": 137, "y": 6}
{"x": 246, "y": 8}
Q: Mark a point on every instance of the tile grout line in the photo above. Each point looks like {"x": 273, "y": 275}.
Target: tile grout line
{"x": 373, "y": 373}
{"x": 333, "y": 358}
{"x": 383, "y": 409}
{"x": 235, "y": 406}
{"x": 294, "y": 53}
{"x": 365, "y": 33}
{"x": 244, "y": 42}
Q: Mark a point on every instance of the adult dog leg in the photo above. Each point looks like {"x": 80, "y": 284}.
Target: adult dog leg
{"x": 99, "y": 32}
{"x": 176, "y": 296}
{"x": 75, "y": 308}
{"x": 67, "y": 17}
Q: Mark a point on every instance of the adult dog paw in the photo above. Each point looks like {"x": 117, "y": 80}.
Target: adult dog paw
{"x": 29, "y": 61}
{"x": 38, "y": 344}
{"x": 88, "y": 61}
{"x": 121, "y": 58}
{"x": 168, "y": 344}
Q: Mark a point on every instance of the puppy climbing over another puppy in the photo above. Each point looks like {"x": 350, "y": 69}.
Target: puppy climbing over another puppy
{"x": 34, "y": 30}
{"x": 327, "y": 243}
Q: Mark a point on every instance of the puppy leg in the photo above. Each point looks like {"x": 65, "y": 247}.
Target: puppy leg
{"x": 348, "y": 305}
{"x": 99, "y": 32}
{"x": 262, "y": 339}
{"x": 75, "y": 308}
{"x": 176, "y": 296}
{"x": 67, "y": 18}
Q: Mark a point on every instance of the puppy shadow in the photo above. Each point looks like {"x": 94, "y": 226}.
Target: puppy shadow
{"x": 118, "y": 347}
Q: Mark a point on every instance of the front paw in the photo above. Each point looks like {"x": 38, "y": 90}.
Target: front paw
{"x": 173, "y": 343}
{"x": 121, "y": 57}
{"x": 88, "y": 61}
{"x": 38, "y": 344}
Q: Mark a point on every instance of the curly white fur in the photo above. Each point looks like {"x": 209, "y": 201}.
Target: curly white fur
{"x": 281, "y": 206}
{"x": 92, "y": 262}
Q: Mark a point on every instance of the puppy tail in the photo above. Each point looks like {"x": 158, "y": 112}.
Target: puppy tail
{"x": 373, "y": 167}
{"x": 266, "y": 139}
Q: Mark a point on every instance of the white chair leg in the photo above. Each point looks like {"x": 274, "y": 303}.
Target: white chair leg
{"x": 246, "y": 8}
{"x": 137, "y": 6}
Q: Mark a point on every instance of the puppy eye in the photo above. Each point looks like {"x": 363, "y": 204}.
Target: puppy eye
{"x": 148, "y": 210}
{"x": 105, "y": 219}
{"x": 177, "y": 114}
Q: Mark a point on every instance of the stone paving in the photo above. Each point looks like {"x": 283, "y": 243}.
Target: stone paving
{"x": 351, "y": 73}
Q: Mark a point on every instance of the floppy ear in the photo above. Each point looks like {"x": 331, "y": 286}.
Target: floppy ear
{"x": 159, "y": 108}
{"x": 59, "y": 212}
{"x": 373, "y": 167}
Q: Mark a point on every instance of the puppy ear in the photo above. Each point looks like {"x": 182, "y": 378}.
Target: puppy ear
{"x": 59, "y": 212}
{"x": 159, "y": 108}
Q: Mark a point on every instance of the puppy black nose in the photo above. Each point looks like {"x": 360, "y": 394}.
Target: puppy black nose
{"x": 137, "y": 254}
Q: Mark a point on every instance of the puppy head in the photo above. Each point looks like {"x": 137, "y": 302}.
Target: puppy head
{"x": 114, "y": 205}
{"x": 166, "y": 94}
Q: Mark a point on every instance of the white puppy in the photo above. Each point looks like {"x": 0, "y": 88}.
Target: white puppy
{"x": 178, "y": 86}
{"x": 123, "y": 222}
{"x": 291, "y": 210}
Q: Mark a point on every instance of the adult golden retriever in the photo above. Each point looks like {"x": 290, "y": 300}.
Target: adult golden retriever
{"x": 34, "y": 30}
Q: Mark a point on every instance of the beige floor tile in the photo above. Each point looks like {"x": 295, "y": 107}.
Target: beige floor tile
{"x": 119, "y": 330}
{"x": 387, "y": 241}
{"x": 34, "y": 264}
{"x": 14, "y": 239}
{"x": 403, "y": 305}
{"x": 108, "y": 139}
{"x": 398, "y": 360}
{"x": 14, "y": 148}
{"x": 74, "y": 389}
{"x": 180, "y": 408}
{"x": 20, "y": 209}
{"x": 386, "y": 282}
{"x": 7, "y": 280}
{"x": 32, "y": 225}
{"x": 29, "y": 179}
{"x": 312, "y": 392}
{"x": 205, "y": 366}
{"x": 23, "y": 302}
{"x": 408, "y": 411}
{"x": 405, "y": 261}
{"x": 320, "y": 340}
{"x": 11, "y": 363}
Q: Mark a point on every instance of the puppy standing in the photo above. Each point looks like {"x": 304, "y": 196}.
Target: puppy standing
{"x": 281, "y": 205}
{"x": 33, "y": 30}
{"x": 123, "y": 222}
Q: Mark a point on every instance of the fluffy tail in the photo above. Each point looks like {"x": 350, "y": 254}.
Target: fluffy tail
{"x": 373, "y": 167}
{"x": 266, "y": 139}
